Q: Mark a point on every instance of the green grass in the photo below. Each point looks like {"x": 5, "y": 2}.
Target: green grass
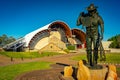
{"x": 11, "y": 71}
{"x": 113, "y": 58}
{"x": 49, "y": 54}
{"x": 28, "y": 54}
{"x": 80, "y": 57}
{"x": 110, "y": 58}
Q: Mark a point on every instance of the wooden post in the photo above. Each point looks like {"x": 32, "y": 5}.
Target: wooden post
{"x": 22, "y": 58}
{"x": 11, "y": 59}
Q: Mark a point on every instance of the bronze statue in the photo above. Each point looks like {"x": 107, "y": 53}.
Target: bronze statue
{"x": 91, "y": 21}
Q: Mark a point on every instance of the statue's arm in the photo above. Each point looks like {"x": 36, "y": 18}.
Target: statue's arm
{"x": 101, "y": 23}
{"x": 79, "y": 20}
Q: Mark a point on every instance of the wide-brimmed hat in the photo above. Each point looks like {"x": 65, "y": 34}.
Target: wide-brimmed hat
{"x": 91, "y": 7}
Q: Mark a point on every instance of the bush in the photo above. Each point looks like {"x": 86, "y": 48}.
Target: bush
{"x": 71, "y": 47}
{"x": 114, "y": 44}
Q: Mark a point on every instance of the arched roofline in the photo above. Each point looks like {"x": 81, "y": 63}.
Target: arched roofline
{"x": 37, "y": 34}
{"x": 63, "y": 25}
{"x": 31, "y": 35}
{"x": 79, "y": 34}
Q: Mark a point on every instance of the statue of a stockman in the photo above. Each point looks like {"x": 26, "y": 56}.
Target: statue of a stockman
{"x": 92, "y": 21}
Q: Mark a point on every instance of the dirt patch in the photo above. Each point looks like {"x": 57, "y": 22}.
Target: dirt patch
{"x": 57, "y": 59}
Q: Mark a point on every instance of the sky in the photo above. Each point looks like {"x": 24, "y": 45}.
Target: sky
{"x": 20, "y": 17}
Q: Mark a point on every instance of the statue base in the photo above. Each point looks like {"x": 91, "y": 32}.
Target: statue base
{"x": 94, "y": 67}
{"x": 99, "y": 73}
{"x": 86, "y": 72}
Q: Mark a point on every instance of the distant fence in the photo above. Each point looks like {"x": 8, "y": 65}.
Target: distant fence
{"x": 115, "y": 50}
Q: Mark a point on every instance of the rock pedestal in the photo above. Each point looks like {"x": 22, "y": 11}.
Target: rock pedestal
{"x": 91, "y": 73}
{"x": 68, "y": 71}
{"x": 98, "y": 74}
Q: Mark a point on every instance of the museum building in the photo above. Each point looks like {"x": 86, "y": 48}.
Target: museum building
{"x": 55, "y": 36}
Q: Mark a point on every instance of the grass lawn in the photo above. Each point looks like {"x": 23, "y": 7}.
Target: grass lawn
{"x": 113, "y": 58}
{"x": 110, "y": 58}
{"x": 11, "y": 71}
{"x": 28, "y": 54}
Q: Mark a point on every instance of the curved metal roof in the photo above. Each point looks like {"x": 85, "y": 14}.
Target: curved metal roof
{"x": 79, "y": 35}
{"x": 37, "y": 37}
{"x": 61, "y": 24}
{"x": 32, "y": 38}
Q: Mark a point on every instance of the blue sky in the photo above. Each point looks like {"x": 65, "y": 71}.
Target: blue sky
{"x": 19, "y": 17}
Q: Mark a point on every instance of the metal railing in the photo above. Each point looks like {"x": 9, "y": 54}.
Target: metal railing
{"x": 14, "y": 44}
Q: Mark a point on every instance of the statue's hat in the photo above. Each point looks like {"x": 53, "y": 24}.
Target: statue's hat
{"x": 91, "y": 7}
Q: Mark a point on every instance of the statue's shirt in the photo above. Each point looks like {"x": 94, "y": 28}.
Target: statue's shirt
{"x": 94, "y": 22}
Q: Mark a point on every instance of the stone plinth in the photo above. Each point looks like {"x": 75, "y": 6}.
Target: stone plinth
{"x": 86, "y": 72}
{"x": 98, "y": 74}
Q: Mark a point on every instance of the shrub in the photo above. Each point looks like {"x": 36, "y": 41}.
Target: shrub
{"x": 71, "y": 47}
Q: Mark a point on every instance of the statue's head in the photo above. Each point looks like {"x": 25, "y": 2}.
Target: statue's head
{"x": 92, "y": 9}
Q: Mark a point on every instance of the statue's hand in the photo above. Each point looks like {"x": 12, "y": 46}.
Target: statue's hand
{"x": 101, "y": 37}
{"x": 78, "y": 24}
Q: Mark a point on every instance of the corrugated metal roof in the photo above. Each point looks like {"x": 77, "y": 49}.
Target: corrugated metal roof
{"x": 29, "y": 36}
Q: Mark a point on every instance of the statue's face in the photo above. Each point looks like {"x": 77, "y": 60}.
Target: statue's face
{"x": 91, "y": 12}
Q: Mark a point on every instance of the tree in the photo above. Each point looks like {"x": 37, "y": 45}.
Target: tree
{"x": 115, "y": 41}
{"x": 4, "y": 39}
